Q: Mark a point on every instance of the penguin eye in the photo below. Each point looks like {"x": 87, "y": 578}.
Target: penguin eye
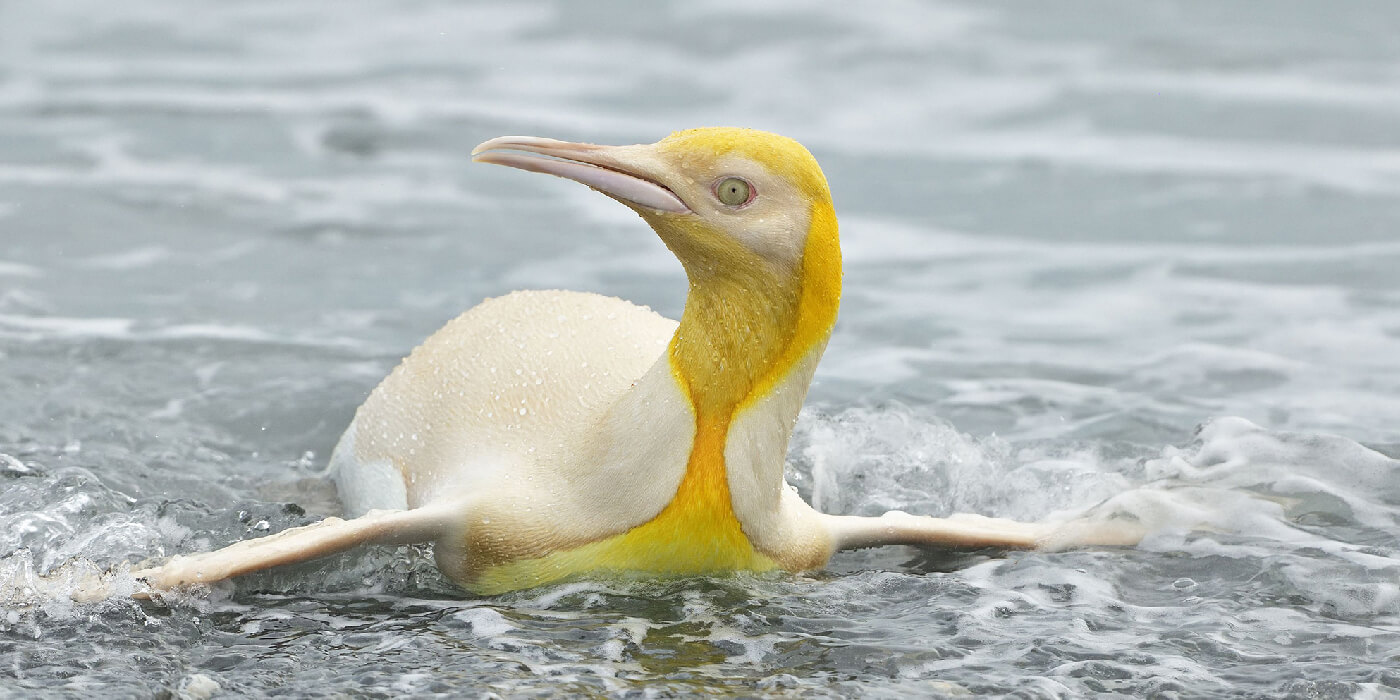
{"x": 734, "y": 191}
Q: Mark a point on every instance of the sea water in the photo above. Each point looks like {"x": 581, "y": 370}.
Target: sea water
{"x": 1128, "y": 257}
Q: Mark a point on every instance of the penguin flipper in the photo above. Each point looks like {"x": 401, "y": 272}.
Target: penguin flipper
{"x": 301, "y": 544}
{"x": 967, "y": 531}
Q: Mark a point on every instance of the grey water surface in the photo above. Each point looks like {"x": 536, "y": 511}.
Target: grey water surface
{"x": 1147, "y": 252}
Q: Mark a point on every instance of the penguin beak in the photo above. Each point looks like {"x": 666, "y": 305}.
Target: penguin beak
{"x": 616, "y": 171}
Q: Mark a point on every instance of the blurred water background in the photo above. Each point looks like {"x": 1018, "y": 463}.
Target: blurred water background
{"x": 1074, "y": 233}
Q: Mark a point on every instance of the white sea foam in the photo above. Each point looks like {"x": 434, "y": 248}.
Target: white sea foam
{"x": 1239, "y": 491}
{"x": 484, "y": 622}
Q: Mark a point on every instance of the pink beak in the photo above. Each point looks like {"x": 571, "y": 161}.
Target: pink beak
{"x": 604, "y": 168}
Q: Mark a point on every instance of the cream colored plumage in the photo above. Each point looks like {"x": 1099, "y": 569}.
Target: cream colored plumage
{"x": 548, "y": 434}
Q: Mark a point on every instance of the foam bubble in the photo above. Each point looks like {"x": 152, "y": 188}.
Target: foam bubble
{"x": 484, "y": 622}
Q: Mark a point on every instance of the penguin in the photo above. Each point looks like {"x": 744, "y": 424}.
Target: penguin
{"x": 548, "y": 435}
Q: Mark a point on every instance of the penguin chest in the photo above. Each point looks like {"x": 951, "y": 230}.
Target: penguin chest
{"x": 697, "y": 532}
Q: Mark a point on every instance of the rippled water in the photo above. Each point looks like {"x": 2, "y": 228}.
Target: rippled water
{"x": 1073, "y": 234}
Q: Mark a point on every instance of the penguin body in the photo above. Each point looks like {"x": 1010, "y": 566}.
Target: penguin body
{"x": 547, "y": 434}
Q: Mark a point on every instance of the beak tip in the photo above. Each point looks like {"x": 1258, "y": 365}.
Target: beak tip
{"x": 487, "y": 145}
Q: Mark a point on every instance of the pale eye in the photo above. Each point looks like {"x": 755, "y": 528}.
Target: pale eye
{"x": 734, "y": 191}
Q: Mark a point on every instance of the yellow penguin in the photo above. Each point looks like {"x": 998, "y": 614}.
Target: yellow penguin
{"x": 550, "y": 434}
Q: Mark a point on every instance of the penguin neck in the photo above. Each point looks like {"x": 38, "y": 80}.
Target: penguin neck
{"x": 750, "y": 330}
{"x": 751, "y": 326}
{"x": 749, "y": 322}
{"x": 732, "y": 335}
